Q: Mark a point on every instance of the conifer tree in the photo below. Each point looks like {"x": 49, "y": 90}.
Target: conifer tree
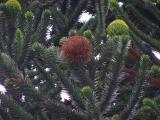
{"x": 106, "y": 65}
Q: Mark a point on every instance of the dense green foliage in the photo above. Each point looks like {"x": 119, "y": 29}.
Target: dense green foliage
{"x": 117, "y": 77}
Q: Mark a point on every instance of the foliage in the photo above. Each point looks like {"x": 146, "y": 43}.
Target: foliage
{"x": 106, "y": 65}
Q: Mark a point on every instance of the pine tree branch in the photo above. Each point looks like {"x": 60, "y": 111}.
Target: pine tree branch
{"x": 5, "y": 115}
{"x": 8, "y": 64}
{"x": 48, "y": 4}
{"x": 27, "y": 40}
{"x": 137, "y": 92}
{"x": 19, "y": 43}
{"x": 2, "y": 34}
{"x": 40, "y": 33}
{"x": 145, "y": 48}
{"x": 68, "y": 114}
{"x": 77, "y": 11}
{"x": 59, "y": 19}
{"x": 72, "y": 18}
{"x": 100, "y": 29}
{"x": 80, "y": 73}
{"x": 11, "y": 37}
{"x": 153, "y": 42}
{"x": 16, "y": 111}
{"x": 154, "y": 10}
{"x": 71, "y": 87}
{"x": 107, "y": 95}
{"x": 145, "y": 21}
{"x": 88, "y": 25}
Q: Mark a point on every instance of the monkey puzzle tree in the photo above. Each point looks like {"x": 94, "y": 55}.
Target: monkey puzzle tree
{"x": 106, "y": 65}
